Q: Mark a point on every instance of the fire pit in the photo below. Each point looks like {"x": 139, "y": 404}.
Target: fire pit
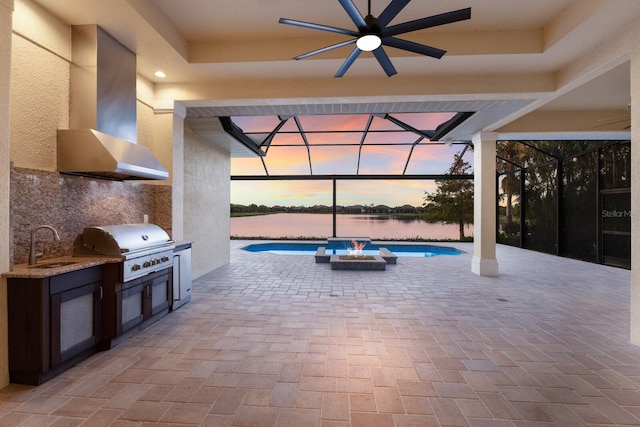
{"x": 357, "y": 262}
{"x": 355, "y": 259}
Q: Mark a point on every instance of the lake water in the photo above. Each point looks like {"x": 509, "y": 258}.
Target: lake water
{"x": 379, "y": 227}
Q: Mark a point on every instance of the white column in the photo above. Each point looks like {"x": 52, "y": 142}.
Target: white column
{"x": 635, "y": 191}
{"x": 484, "y": 261}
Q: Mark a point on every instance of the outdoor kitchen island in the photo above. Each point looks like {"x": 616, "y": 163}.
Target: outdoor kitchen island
{"x": 63, "y": 310}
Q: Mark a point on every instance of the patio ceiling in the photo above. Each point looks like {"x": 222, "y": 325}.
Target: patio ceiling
{"x": 545, "y": 69}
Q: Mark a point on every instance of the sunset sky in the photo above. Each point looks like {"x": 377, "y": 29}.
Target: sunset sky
{"x": 288, "y": 155}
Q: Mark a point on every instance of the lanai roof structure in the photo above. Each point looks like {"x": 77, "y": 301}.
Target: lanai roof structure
{"x": 508, "y": 337}
{"x": 511, "y": 70}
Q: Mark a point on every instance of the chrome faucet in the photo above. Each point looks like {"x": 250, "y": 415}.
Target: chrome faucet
{"x": 33, "y": 256}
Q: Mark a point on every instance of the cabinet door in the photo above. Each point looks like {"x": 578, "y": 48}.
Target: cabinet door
{"x": 131, "y": 312}
{"x": 144, "y": 298}
{"x": 159, "y": 295}
{"x": 76, "y": 322}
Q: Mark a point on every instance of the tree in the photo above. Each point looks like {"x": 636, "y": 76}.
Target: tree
{"x": 452, "y": 202}
{"x": 510, "y": 182}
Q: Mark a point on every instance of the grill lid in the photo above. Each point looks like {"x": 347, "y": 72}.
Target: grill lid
{"x": 115, "y": 240}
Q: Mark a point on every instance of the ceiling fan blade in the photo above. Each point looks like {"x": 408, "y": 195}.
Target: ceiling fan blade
{"x": 384, "y": 61}
{"x": 391, "y": 11}
{"x": 349, "y": 61}
{"x": 354, "y": 14}
{"x": 319, "y": 27}
{"x": 431, "y": 21}
{"x": 326, "y": 49}
{"x": 422, "y": 49}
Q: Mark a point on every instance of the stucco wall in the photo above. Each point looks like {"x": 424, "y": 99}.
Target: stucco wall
{"x": 154, "y": 132}
{"x": 40, "y": 59}
{"x": 154, "y": 127}
{"x": 177, "y": 182}
{"x": 40, "y": 72}
{"x": 6, "y": 7}
{"x": 34, "y": 104}
{"x": 206, "y": 201}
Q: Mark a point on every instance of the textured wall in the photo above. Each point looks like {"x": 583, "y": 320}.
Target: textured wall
{"x": 40, "y": 72}
{"x": 154, "y": 132}
{"x": 38, "y": 52}
{"x": 177, "y": 170}
{"x": 70, "y": 203}
{"x": 6, "y": 6}
{"x": 39, "y": 86}
{"x": 206, "y": 201}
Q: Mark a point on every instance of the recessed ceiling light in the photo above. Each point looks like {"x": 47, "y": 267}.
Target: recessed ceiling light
{"x": 160, "y": 74}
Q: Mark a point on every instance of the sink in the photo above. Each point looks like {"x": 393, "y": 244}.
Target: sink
{"x": 53, "y": 264}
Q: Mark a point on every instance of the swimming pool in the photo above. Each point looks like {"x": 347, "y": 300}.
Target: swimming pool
{"x": 399, "y": 249}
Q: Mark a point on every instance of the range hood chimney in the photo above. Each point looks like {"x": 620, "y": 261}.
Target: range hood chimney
{"x": 101, "y": 141}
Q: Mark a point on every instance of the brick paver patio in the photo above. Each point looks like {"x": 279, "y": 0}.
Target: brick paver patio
{"x": 277, "y": 340}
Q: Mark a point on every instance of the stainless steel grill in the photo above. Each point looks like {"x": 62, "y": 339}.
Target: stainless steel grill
{"x": 144, "y": 248}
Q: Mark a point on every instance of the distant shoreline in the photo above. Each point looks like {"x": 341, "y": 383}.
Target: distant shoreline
{"x": 391, "y": 214}
{"x": 300, "y": 226}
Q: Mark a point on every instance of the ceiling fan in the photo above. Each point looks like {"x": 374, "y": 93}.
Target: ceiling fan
{"x": 373, "y": 32}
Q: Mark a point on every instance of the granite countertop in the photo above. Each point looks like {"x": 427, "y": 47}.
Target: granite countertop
{"x": 67, "y": 265}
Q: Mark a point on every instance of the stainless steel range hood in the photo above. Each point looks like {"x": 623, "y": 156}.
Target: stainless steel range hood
{"x": 92, "y": 153}
{"x": 101, "y": 141}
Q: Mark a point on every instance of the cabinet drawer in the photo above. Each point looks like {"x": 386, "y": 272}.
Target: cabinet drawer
{"x": 73, "y": 279}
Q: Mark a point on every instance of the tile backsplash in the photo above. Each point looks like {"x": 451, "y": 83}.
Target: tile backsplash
{"x": 69, "y": 203}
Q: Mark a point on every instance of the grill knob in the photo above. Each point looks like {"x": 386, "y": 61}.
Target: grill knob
{"x": 147, "y": 264}
{"x": 136, "y": 267}
{"x": 165, "y": 258}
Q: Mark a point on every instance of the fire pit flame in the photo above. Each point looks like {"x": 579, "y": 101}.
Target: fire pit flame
{"x": 357, "y": 248}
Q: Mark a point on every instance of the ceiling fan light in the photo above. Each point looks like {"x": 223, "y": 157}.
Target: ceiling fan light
{"x": 368, "y": 42}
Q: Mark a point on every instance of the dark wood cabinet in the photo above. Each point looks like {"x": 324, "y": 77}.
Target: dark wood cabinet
{"x": 135, "y": 304}
{"x": 54, "y": 322}
{"x": 57, "y": 321}
{"x": 143, "y": 300}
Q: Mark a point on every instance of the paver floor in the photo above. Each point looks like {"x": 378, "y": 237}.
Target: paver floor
{"x": 277, "y": 340}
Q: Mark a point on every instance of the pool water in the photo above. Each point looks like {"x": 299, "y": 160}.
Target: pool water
{"x": 401, "y": 250}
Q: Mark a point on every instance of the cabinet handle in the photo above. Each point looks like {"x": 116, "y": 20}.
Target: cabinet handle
{"x": 101, "y": 292}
